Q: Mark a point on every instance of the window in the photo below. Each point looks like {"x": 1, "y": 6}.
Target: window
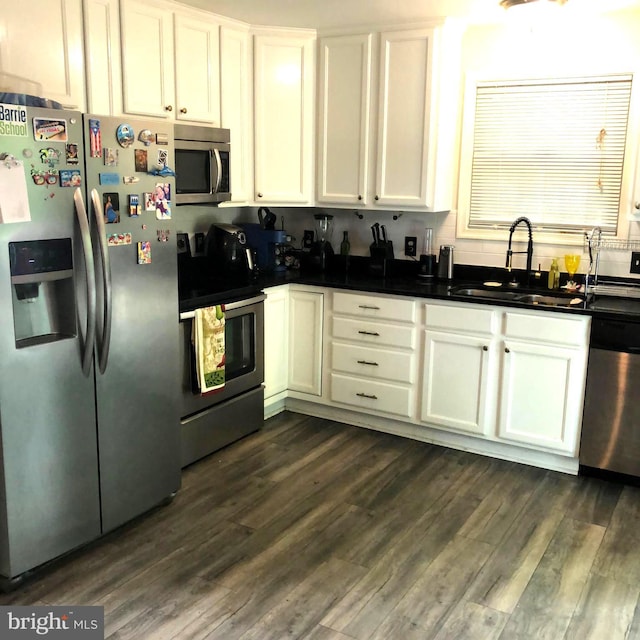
{"x": 551, "y": 150}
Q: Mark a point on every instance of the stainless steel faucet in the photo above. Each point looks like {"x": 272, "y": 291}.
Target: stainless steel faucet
{"x": 529, "y": 250}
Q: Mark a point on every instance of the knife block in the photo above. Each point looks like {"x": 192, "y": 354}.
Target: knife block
{"x": 380, "y": 254}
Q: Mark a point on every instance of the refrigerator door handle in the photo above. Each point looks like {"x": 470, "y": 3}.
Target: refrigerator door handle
{"x": 90, "y": 274}
{"x": 219, "y": 169}
{"x": 104, "y": 343}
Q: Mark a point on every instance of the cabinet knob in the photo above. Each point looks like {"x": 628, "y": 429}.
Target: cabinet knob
{"x": 259, "y": 195}
{"x": 507, "y": 350}
{"x": 377, "y": 197}
{"x": 359, "y": 197}
{"x": 168, "y": 108}
{"x": 183, "y": 110}
{"x": 485, "y": 348}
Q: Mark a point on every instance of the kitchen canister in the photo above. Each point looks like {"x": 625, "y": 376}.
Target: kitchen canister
{"x": 445, "y": 262}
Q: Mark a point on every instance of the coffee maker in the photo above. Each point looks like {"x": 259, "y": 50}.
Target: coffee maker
{"x": 321, "y": 249}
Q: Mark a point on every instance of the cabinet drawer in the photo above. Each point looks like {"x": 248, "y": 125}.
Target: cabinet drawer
{"x": 472, "y": 319}
{"x": 387, "y": 335}
{"x": 553, "y": 328}
{"x": 371, "y": 396}
{"x": 372, "y": 363}
{"x": 374, "y": 307}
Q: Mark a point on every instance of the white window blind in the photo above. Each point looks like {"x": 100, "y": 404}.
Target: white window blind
{"x": 552, "y": 150}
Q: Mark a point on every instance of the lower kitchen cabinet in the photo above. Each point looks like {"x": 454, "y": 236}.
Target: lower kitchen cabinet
{"x": 305, "y": 341}
{"x": 276, "y": 344}
{"x": 542, "y": 386}
{"x": 456, "y": 384}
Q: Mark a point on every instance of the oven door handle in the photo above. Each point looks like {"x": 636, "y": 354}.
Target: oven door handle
{"x": 232, "y": 306}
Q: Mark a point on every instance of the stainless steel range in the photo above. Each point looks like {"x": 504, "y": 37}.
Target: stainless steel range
{"x": 213, "y": 420}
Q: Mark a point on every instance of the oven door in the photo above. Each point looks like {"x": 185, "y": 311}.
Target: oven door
{"x": 244, "y": 355}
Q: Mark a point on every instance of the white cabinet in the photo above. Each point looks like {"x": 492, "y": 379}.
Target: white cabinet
{"x": 407, "y": 168}
{"x": 305, "y": 341}
{"x": 542, "y": 388}
{"x": 276, "y": 344}
{"x": 372, "y": 357}
{"x": 42, "y": 42}
{"x": 283, "y": 114}
{"x": 515, "y": 376}
{"x": 459, "y": 368}
{"x": 171, "y": 65}
{"x": 102, "y": 56}
{"x": 344, "y": 103}
{"x": 236, "y": 107}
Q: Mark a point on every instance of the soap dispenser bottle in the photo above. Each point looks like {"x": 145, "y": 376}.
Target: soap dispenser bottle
{"x": 554, "y": 275}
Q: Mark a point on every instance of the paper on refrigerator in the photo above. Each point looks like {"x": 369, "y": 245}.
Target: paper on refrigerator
{"x": 14, "y": 200}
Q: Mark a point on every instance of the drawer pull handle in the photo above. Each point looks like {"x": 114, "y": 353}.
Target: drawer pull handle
{"x": 369, "y": 333}
{"x": 373, "y": 364}
{"x": 367, "y": 395}
{"x": 368, "y": 306}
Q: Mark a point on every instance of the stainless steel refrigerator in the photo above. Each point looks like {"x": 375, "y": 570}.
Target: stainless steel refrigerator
{"x": 89, "y": 422}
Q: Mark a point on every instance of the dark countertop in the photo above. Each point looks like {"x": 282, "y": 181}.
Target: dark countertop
{"x": 403, "y": 280}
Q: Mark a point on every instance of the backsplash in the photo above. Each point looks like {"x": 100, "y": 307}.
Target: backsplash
{"x": 613, "y": 263}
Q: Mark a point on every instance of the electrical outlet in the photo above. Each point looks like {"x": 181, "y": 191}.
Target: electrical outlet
{"x": 307, "y": 239}
{"x": 410, "y": 243}
{"x": 635, "y": 262}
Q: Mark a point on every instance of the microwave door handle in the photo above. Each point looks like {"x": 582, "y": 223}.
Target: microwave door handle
{"x": 219, "y": 170}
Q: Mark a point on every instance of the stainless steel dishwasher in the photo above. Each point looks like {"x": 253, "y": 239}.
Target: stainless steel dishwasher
{"x": 611, "y": 421}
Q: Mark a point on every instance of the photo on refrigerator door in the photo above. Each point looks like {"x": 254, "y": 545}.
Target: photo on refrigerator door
{"x": 162, "y": 200}
{"x": 111, "y": 203}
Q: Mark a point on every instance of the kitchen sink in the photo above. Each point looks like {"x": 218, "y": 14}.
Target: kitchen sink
{"x": 523, "y": 297}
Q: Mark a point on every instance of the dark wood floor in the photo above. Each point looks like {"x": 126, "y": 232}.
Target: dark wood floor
{"x": 313, "y": 529}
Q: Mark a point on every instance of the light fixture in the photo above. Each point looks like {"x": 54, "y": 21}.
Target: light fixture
{"x": 506, "y": 4}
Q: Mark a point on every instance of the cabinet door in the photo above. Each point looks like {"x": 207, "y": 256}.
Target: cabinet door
{"x": 235, "y": 107}
{"x": 305, "y": 341}
{"x": 102, "y": 56}
{"x": 406, "y": 60}
{"x": 147, "y": 59}
{"x": 283, "y": 118}
{"x": 276, "y": 347}
{"x": 457, "y": 387}
{"x": 197, "y": 68}
{"x": 344, "y": 103}
{"x": 42, "y": 41}
{"x": 541, "y": 395}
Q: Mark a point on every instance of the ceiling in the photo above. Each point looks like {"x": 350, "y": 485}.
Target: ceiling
{"x": 326, "y": 14}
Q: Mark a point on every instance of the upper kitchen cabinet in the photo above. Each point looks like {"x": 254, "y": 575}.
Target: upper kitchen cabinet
{"x": 236, "y": 107}
{"x": 102, "y": 56}
{"x": 47, "y": 48}
{"x": 283, "y": 116}
{"x": 394, "y": 152}
{"x": 344, "y": 104}
{"x": 171, "y": 66}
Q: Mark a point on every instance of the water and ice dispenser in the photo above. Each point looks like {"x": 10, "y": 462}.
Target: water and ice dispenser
{"x": 44, "y": 307}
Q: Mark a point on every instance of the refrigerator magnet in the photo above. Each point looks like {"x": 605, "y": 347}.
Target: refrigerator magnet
{"x": 110, "y": 157}
{"x": 141, "y": 160}
{"x": 109, "y": 178}
{"x": 146, "y": 137}
{"x": 163, "y": 235}
{"x": 130, "y": 179}
{"x": 70, "y": 178}
{"x": 144, "y": 252}
{"x": 95, "y": 138}
{"x": 51, "y": 129}
{"x": 118, "y": 239}
{"x": 50, "y": 156}
{"x": 111, "y": 205}
{"x": 125, "y": 135}
{"x": 134, "y": 205}
{"x": 149, "y": 202}
{"x": 71, "y": 152}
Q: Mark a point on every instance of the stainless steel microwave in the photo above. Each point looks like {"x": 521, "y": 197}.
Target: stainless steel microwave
{"x": 202, "y": 164}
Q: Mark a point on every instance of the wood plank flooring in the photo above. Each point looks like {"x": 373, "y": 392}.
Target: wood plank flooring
{"x": 317, "y": 530}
